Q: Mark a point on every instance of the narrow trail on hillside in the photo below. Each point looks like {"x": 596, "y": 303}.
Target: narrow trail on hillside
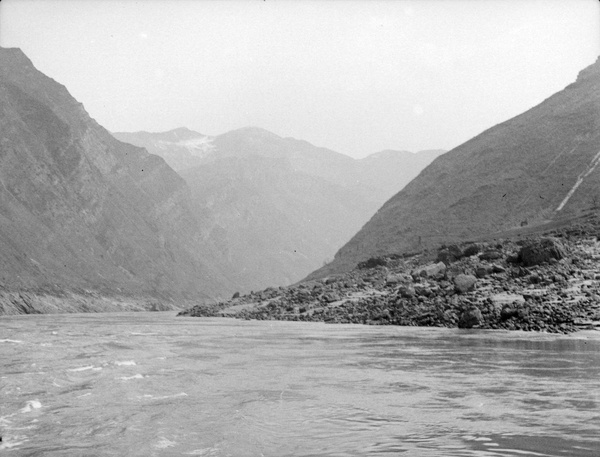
{"x": 592, "y": 166}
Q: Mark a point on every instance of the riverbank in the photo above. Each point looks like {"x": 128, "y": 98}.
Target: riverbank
{"x": 57, "y": 301}
{"x": 548, "y": 282}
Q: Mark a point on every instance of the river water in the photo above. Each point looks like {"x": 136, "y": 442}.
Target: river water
{"x": 152, "y": 384}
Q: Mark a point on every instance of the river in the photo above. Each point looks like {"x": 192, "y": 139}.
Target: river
{"x": 152, "y": 384}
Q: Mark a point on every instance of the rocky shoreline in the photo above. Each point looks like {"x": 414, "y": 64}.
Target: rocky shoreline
{"x": 54, "y": 301}
{"x": 548, "y": 282}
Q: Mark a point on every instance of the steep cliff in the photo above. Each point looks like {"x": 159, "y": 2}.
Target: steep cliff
{"x": 80, "y": 210}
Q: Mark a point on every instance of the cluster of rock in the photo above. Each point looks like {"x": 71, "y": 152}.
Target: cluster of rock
{"x": 549, "y": 283}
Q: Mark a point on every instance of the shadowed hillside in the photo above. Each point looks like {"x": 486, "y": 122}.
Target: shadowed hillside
{"x": 541, "y": 165}
{"x": 84, "y": 212}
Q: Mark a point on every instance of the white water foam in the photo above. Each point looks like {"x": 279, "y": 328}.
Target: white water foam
{"x": 164, "y": 443}
{"x": 31, "y": 405}
{"x": 165, "y": 397}
{"x": 89, "y": 367}
{"x": 8, "y": 444}
{"x": 12, "y": 341}
{"x": 209, "y": 451}
{"x": 136, "y": 376}
{"x": 125, "y": 363}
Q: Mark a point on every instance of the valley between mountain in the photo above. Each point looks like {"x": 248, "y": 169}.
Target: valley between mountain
{"x": 501, "y": 232}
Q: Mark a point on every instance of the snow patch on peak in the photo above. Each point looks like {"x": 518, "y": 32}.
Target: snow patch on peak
{"x": 197, "y": 147}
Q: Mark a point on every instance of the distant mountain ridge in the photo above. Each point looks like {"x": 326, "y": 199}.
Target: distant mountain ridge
{"x": 383, "y": 173}
{"x": 276, "y": 207}
{"x": 181, "y": 148}
{"x": 540, "y": 165}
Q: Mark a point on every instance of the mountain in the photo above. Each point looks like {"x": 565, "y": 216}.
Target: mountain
{"x": 271, "y": 223}
{"x": 181, "y": 148}
{"x": 536, "y": 167}
{"x": 385, "y": 173}
{"x": 82, "y": 211}
{"x": 278, "y": 208}
{"x": 89, "y": 223}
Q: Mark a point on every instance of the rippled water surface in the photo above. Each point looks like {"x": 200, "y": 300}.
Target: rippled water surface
{"x": 152, "y": 384}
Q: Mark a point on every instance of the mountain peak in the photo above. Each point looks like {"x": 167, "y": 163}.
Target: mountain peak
{"x": 387, "y": 153}
{"x": 182, "y": 133}
{"x": 590, "y": 72}
{"x": 16, "y": 54}
{"x": 183, "y": 130}
{"x": 253, "y": 131}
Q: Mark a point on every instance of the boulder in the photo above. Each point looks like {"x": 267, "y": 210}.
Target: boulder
{"x": 431, "y": 271}
{"x": 490, "y": 254}
{"x": 540, "y": 251}
{"x": 464, "y": 283}
{"x": 512, "y": 258}
{"x": 509, "y": 311}
{"x": 393, "y": 279}
{"x": 330, "y": 297}
{"x": 449, "y": 254}
{"x": 535, "y": 278}
{"x": 483, "y": 270}
{"x": 471, "y": 249}
{"x": 498, "y": 268}
{"x": 372, "y": 263}
{"x": 406, "y": 291}
{"x": 470, "y": 317}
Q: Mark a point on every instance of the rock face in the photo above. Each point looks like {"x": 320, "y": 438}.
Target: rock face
{"x": 278, "y": 208}
{"x": 541, "y": 251}
{"x": 541, "y": 165}
{"x": 81, "y": 210}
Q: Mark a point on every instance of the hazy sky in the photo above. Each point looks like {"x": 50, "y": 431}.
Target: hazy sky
{"x": 354, "y": 76}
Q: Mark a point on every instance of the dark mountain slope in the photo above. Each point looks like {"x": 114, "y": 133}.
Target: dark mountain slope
{"x": 538, "y": 166}
{"x": 80, "y": 210}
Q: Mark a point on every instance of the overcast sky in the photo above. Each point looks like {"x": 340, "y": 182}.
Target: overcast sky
{"x": 354, "y": 76}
